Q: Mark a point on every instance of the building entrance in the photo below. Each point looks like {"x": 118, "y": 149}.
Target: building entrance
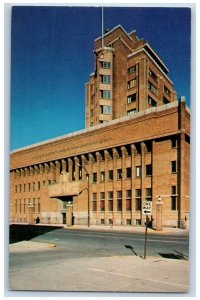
{"x": 64, "y": 218}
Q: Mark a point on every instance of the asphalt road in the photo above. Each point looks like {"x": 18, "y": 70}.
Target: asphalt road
{"x": 80, "y": 254}
{"x": 87, "y": 243}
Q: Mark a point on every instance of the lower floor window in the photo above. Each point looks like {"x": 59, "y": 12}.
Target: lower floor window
{"x": 94, "y": 204}
{"x": 128, "y": 222}
{"x": 138, "y": 222}
{"x": 173, "y": 203}
{"x": 119, "y": 204}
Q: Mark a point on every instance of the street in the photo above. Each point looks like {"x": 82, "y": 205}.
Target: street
{"x": 86, "y": 260}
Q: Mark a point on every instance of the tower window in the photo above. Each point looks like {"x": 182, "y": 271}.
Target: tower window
{"x": 105, "y": 109}
{"x": 131, "y": 84}
{"x": 105, "y": 94}
{"x": 131, "y": 112}
{"x": 152, "y": 75}
{"x": 174, "y": 166}
{"x": 152, "y": 102}
{"x": 105, "y": 64}
{"x": 105, "y": 78}
{"x": 165, "y": 101}
{"x": 131, "y": 98}
{"x": 131, "y": 70}
{"x": 152, "y": 88}
{"x": 166, "y": 91}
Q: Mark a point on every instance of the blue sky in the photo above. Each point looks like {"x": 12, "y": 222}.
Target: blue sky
{"x": 52, "y": 57}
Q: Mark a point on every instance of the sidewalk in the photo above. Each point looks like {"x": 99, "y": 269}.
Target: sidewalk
{"x": 127, "y": 229}
{"x": 98, "y": 274}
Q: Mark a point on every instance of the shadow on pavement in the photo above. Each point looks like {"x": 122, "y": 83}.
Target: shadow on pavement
{"x": 18, "y": 233}
{"x": 179, "y": 255}
{"x": 131, "y": 248}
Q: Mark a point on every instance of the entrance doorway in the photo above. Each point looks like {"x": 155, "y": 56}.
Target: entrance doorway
{"x": 64, "y": 218}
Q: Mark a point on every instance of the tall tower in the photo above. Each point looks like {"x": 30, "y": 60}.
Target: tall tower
{"x": 129, "y": 77}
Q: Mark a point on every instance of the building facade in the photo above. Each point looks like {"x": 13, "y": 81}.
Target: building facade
{"x": 135, "y": 148}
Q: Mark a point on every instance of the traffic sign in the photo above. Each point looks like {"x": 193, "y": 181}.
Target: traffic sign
{"x": 147, "y": 207}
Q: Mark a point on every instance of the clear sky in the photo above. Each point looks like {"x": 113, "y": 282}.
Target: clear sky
{"x": 52, "y": 57}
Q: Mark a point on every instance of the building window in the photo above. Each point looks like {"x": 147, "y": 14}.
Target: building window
{"x": 128, "y": 221}
{"x": 152, "y": 75}
{"x": 105, "y": 78}
{"x": 94, "y": 177}
{"x": 39, "y": 205}
{"x": 131, "y": 112}
{"x": 119, "y": 200}
{"x": 152, "y": 88}
{"x": 173, "y": 198}
{"x": 138, "y": 222}
{"x": 148, "y": 194}
{"x": 128, "y": 172}
{"x": 165, "y": 101}
{"x": 138, "y": 204}
{"x": 131, "y": 98}
{"x": 105, "y": 94}
{"x": 102, "y": 221}
{"x": 43, "y": 182}
{"x": 33, "y": 186}
{"x": 102, "y": 176}
{"x": 148, "y": 147}
{"x": 174, "y": 142}
{"x": 138, "y": 171}
{"x": 174, "y": 166}
{"x": 110, "y": 201}
{"x": 24, "y": 206}
{"x": 148, "y": 170}
{"x": 137, "y": 149}
{"x": 131, "y": 70}
{"x": 94, "y": 201}
{"x": 166, "y": 91}
{"x": 119, "y": 174}
{"x": 105, "y": 109}
{"x": 16, "y": 206}
{"x": 152, "y": 102}
{"x": 29, "y": 187}
{"x": 105, "y": 64}
{"x": 110, "y": 175}
{"x": 33, "y": 204}
{"x": 20, "y": 206}
{"x": 128, "y": 200}
{"x": 102, "y": 201}
{"x": 20, "y": 188}
{"x": 49, "y": 181}
{"x": 131, "y": 84}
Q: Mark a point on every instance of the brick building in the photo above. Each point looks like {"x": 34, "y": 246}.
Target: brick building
{"x": 135, "y": 147}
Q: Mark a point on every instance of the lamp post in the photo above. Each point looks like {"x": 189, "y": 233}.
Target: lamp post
{"x": 159, "y": 214}
{"x": 88, "y": 206}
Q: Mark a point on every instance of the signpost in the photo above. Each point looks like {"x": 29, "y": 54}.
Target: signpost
{"x": 146, "y": 210}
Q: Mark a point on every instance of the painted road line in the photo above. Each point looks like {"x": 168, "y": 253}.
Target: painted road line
{"x": 140, "y": 278}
